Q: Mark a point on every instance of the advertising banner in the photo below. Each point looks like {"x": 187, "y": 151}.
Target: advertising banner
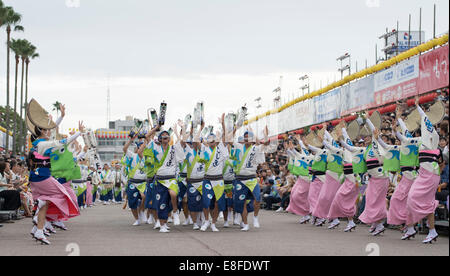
{"x": 397, "y": 82}
{"x": 284, "y": 121}
{"x": 358, "y": 95}
{"x": 301, "y": 115}
{"x": 327, "y": 106}
{"x": 434, "y": 70}
{"x": 406, "y": 40}
{"x": 417, "y": 75}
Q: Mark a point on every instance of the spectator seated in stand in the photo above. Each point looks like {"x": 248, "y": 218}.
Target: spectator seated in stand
{"x": 10, "y": 196}
{"x": 273, "y": 196}
{"x": 442, "y": 193}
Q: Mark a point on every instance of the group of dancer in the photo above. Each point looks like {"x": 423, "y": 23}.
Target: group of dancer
{"x": 64, "y": 178}
{"x": 202, "y": 176}
{"x": 328, "y": 184}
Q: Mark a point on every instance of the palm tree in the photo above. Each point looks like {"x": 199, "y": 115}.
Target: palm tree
{"x": 9, "y": 18}
{"x": 17, "y": 46}
{"x": 57, "y": 107}
{"x": 25, "y": 48}
{"x": 29, "y": 52}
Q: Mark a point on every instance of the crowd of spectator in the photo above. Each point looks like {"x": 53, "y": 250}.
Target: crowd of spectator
{"x": 15, "y": 194}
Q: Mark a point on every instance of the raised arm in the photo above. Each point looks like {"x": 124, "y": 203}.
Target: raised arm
{"x": 400, "y": 137}
{"x": 62, "y": 108}
{"x": 330, "y": 146}
{"x": 348, "y": 146}
{"x": 127, "y": 145}
{"x": 314, "y": 149}
{"x": 82, "y": 154}
{"x": 199, "y": 133}
{"x": 141, "y": 149}
{"x": 402, "y": 125}
{"x": 222, "y": 123}
{"x": 421, "y": 112}
{"x": 328, "y": 137}
{"x": 149, "y": 135}
{"x": 370, "y": 125}
{"x": 303, "y": 147}
{"x": 382, "y": 143}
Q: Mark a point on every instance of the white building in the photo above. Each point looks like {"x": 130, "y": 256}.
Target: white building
{"x": 111, "y": 140}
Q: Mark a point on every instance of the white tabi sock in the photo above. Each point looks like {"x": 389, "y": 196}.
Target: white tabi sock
{"x": 433, "y": 232}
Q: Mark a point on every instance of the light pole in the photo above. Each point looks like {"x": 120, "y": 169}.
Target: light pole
{"x": 306, "y": 85}
{"x": 277, "y": 99}
{"x": 277, "y": 91}
{"x": 342, "y": 69}
{"x": 258, "y": 103}
{"x": 391, "y": 49}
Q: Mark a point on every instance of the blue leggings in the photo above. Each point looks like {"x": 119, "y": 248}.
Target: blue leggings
{"x": 81, "y": 199}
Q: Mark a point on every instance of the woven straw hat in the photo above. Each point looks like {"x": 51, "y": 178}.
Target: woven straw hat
{"x": 30, "y": 125}
{"x": 413, "y": 121}
{"x": 312, "y": 140}
{"x": 376, "y": 120}
{"x": 340, "y": 126}
{"x": 39, "y": 116}
{"x": 436, "y": 113}
{"x": 353, "y": 130}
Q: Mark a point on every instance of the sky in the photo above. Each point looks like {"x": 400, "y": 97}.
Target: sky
{"x": 225, "y": 53}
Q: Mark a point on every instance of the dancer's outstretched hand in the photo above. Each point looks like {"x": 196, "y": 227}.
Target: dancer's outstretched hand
{"x": 62, "y": 108}
{"x": 376, "y": 133}
{"x": 81, "y": 127}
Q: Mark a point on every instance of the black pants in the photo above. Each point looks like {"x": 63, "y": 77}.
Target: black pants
{"x": 285, "y": 200}
{"x": 442, "y": 196}
{"x": 12, "y": 200}
{"x": 271, "y": 200}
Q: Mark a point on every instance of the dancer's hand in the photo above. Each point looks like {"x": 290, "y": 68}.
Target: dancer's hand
{"x": 63, "y": 110}
{"x": 376, "y": 133}
{"x": 339, "y": 132}
{"x": 81, "y": 126}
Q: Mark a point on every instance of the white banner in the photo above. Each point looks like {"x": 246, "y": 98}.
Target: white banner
{"x": 357, "y": 95}
{"x": 327, "y": 106}
{"x": 397, "y": 82}
{"x": 404, "y": 71}
{"x": 303, "y": 114}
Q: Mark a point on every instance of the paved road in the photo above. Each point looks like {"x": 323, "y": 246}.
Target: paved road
{"x": 107, "y": 230}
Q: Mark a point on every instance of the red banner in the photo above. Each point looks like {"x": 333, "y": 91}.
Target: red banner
{"x": 434, "y": 70}
{"x": 395, "y": 93}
